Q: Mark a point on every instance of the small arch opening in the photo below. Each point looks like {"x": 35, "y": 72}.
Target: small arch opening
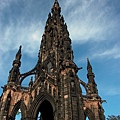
{"x": 87, "y": 118}
{"x": 18, "y": 115}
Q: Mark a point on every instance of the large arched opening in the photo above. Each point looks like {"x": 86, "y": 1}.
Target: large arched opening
{"x": 43, "y": 108}
{"x": 45, "y": 111}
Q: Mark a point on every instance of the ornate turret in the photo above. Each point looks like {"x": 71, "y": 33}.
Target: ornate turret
{"x": 14, "y": 73}
{"x": 92, "y": 86}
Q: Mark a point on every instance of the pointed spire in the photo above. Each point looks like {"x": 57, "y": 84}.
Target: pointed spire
{"x": 92, "y": 87}
{"x": 55, "y": 39}
{"x": 56, "y": 9}
{"x": 89, "y": 67}
{"x": 18, "y": 55}
{"x": 14, "y": 72}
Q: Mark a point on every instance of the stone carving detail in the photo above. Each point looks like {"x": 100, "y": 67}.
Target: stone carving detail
{"x": 55, "y": 91}
{"x": 7, "y": 102}
{"x": 14, "y": 73}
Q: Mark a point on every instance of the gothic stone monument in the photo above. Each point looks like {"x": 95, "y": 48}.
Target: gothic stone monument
{"x": 55, "y": 92}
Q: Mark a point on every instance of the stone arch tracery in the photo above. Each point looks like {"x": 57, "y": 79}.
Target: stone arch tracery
{"x": 19, "y": 105}
{"x": 38, "y": 101}
{"x": 84, "y": 86}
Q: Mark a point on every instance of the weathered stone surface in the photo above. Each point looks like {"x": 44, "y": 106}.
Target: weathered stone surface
{"x": 55, "y": 90}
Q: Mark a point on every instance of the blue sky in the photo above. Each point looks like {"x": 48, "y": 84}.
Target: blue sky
{"x": 94, "y": 27}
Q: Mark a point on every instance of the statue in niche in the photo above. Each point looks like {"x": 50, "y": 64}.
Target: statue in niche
{"x": 72, "y": 86}
{"x": 55, "y": 33}
{"x": 52, "y": 54}
{"x": 44, "y": 41}
{"x": 49, "y": 68}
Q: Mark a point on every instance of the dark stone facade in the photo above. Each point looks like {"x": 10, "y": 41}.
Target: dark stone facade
{"x": 56, "y": 91}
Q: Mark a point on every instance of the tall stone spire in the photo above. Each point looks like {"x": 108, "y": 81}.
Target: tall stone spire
{"x": 92, "y": 87}
{"x": 56, "y": 43}
{"x": 14, "y": 73}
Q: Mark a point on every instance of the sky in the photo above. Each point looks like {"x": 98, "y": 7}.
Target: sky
{"x": 94, "y": 27}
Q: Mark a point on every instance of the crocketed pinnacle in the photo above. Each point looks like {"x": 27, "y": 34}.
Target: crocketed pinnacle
{"x": 14, "y": 72}
{"x": 56, "y": 9}
{"x": 18, "y": 55}
{"x": 92, "y": 87}
{"x": 55, "y": 43}
{"x": 89, "y": 67}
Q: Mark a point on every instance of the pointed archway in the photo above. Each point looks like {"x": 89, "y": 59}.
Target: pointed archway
{"x": 18, "y": 106}
{"x": 42, "y": 106}
{"x": 46, "y": 111}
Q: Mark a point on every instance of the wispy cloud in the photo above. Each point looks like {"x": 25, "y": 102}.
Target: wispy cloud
{"x": 28, "y": 36}
{"x": 88, "y": 20}
{"x": 110, "y": 90}
{"x": 113, "y": 52}
{"x": 16, "y": 28}
{"x": 5, "y": 3}
{"x": 92, "y": 20}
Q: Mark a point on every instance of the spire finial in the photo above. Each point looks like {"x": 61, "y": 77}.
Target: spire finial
{"x": 92, "y": 87}
{"x": 18, "y": 55}
{"x": 89, "y": 67}
{"x": 56, "y": 9}
{"x": 14, "y": 72}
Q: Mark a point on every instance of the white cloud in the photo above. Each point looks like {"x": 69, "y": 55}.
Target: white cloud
{"x": 29, "y": 36}
{"x": 111, "y": 52}
{"x": 86, "y": 19}
{"x": 91, "y": 20}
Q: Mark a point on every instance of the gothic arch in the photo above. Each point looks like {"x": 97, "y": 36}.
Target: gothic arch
{"x": 38, "y": 101}
{"x": 88, "y": 113}
{"x": 19, "y": 105}
{"x": 83, "y": 86}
